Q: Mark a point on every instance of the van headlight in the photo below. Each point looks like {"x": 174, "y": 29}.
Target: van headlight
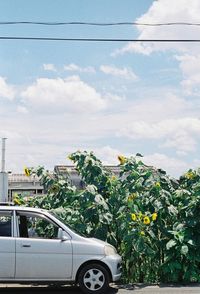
{"x": 110, "y": 250}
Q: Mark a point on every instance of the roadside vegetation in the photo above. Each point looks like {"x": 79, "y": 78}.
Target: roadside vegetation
{"x": 151, "y": 218}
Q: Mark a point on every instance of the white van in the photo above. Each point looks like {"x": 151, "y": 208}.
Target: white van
{"x": 37, "y": 247}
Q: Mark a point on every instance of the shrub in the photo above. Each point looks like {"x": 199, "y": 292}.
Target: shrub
{"x": 152, "y": 219}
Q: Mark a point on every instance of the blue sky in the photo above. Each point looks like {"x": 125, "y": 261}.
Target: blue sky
{"x": 112, "y": 98}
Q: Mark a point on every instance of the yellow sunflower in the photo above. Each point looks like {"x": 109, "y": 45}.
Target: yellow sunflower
{"x": 27, "y": 172}
{"x": 146, "y": 220}
{"x": 133, "y": 216}
{"x": 122, "y": 159}
{"x": 154, "y": 216}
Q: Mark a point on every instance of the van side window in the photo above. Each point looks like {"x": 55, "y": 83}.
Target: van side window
{"x": 5, "y": 224}
{"x": 32, "y": 225}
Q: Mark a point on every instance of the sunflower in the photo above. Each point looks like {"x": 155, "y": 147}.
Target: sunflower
{"x": 133, "y": 216}
{"x": 190, "y": 175}
{"x": 146, "y": 220}
{"x": 122, "y": 159}
{"x": 154, "y": 216}
{"x": 157, "y": 185}
{"x": 132, "y": 196}
{"x": 16, "y": 201}
{"x": 27, "y": 172}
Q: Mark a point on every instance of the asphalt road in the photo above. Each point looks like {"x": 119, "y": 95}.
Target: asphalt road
{"x": 140, "y": 289}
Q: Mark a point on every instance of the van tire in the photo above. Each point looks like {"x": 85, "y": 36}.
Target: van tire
{"x": 93, "y": 278}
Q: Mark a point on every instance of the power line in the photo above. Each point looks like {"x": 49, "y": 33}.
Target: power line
{"x": 98, "y": 23}
{"x": 99, "y": 39}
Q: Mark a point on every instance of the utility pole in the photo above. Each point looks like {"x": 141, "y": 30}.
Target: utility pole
{"x": 3, "y": 175}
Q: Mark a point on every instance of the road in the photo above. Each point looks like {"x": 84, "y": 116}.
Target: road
{"x": 137, "y": 289}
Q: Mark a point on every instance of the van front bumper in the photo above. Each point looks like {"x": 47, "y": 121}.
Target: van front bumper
{"x": 114, "y": 262}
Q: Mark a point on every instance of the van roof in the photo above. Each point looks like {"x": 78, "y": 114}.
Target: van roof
{"x": 16, "y": 207}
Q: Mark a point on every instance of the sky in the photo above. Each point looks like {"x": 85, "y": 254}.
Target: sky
{"x": 111, "y": 98}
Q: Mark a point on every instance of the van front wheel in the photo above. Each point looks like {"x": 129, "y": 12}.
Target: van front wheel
{"x": 93, "y": 278}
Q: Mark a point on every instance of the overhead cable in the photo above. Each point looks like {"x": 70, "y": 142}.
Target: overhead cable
{"x": 98, "y": 39}
{"x": 98, "y": 23}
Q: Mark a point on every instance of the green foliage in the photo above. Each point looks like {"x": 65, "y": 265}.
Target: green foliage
{"x": 152, "y": 219}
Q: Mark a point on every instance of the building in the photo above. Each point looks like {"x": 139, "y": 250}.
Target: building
{"x": 75, "y": 178}
{"x": 23, "y": 185}
{"x": 30, "y": 186}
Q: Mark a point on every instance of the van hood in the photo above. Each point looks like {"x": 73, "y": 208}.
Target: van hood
{"x": 99, "y": 241}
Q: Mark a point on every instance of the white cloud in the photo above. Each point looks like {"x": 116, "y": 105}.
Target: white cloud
{"x": 181, "y": 126}
{"x": 11, "y": 134}
{"x": 124, "y": 72}
{"x": 196, "y": 163}
{"x": 189, "y": 65}
{"x": 56, "y": 118}
{"x": 188, "y": 53}
{"x": 182, "y": 141}
{"x": 6, "y": 91}
{"x": 173, "y": 166}
{"x": 108, "y": 155}
{"x": 49, "y": 67}
{"x": 152, "y": 109}
{"x": 137, "y": 47}
{"x": 55, "y": 124}
{"x": 22, "y": 109}
{"x": 76, "y": 68}
{"x": 161, "y": 12}
{"x": 63, "y": 95}
{"x": 177, "y": 133}
{"x": 113, "y": 98}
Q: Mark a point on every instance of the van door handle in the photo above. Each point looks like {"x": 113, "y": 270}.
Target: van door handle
{"x": 26, "y": 245}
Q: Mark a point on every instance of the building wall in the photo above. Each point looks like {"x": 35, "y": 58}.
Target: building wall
{"x": 23, "y": 185}
{"x": 30, "y": 186}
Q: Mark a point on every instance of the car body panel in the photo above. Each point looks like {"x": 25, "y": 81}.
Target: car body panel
{"x": 7, "y": 257}
{"x": 44, "y": 259}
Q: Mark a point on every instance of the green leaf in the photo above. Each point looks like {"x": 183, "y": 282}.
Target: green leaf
{"x": 182, "y": 192}
{"x": 158, "y": 204}
{"x": 101, "y": 232}
{"x": 139, "y": 245}
{"x": 178, "y": 227}
{"x": 172, "y": 210}
{"x": 191, "y": 242}
{"x": 177, "y": 265}
{"x": 151, "y": 233}
{"x": 100, "y": 200}
{"x": 105, "y": 218}
{"x": 170, "y": 244}
{"x": 91, "y": 188}
{"x": 139, "y": 155}
{"x": 184, "y": 250}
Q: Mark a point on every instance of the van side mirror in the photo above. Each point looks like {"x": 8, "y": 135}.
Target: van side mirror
{"x": 62, "y": 236}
